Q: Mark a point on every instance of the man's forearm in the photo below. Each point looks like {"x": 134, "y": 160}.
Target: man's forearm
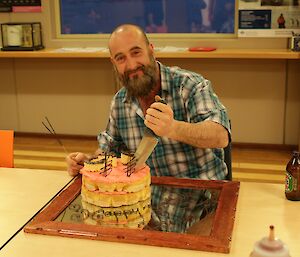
{"x": 206, "y": 134}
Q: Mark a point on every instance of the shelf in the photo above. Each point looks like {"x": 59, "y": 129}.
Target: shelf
{"x": 235, "y": 54}
{"x": 217, "y": 54}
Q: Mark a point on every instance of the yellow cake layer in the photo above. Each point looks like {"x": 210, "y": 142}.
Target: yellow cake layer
{"x": 114, "y": 199}
{"x": 102, "y": 186}
{"x": 123, "y": 215}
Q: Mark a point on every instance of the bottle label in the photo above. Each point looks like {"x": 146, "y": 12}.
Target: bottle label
{"x": 290, "y": 183}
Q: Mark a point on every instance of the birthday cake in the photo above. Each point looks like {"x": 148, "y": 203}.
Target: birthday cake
{"x": 114, "y": 193}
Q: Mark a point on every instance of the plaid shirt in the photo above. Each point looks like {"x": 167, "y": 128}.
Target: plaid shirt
{"x": 193, "y": 100}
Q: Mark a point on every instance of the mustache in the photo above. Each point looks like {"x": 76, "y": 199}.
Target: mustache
{"x": 128, "y": 72}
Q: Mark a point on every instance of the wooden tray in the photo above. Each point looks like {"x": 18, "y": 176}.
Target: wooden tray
{"x": 215, "y": 239}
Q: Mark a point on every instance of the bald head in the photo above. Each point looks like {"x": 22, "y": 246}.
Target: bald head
{"x": 127, "y": 30}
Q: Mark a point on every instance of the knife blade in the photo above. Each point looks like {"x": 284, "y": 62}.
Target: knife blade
{"x": 147, "y": 144}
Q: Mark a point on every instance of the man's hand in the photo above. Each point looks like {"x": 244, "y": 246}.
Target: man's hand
{"x": 75, "y": 162}
{"x": 205, "y": 134}
{"x": 160, "y": 118}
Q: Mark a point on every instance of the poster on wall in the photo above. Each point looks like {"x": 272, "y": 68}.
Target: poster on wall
{"x": 268, "y": 18}
{"x": 20, "y": 6}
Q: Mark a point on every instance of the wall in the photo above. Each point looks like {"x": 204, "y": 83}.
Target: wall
{"x": 262, "y": 96}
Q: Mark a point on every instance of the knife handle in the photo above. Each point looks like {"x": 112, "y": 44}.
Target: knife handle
{"x": 159, "y": 99}
{"x": 148, "y": 130}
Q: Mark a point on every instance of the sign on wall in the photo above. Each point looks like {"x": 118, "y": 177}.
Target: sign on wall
{"x": 269, "y": 18}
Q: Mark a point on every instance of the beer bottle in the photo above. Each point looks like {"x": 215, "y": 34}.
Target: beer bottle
{"x": 292, "y": 178}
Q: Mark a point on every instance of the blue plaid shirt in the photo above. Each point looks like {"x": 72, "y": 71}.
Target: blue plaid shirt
{"x": 193, "y": 100}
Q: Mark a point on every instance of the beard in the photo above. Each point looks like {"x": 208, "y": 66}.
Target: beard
{"x": 138, "y": 86}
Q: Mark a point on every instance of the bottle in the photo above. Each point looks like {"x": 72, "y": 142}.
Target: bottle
{"x": 292, "y": 178}
{"x": 270, "y": 247}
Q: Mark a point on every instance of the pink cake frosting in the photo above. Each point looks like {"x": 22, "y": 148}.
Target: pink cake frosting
{"x": 117, "y": 175}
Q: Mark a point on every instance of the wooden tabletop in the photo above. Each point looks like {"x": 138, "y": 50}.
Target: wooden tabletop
{"x": 23, "y": 192}
{"x": 259, "y": 205}
{"x": 217, "y": 54}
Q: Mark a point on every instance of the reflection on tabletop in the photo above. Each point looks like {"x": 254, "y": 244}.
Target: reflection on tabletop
{"x": 173, "y": 209}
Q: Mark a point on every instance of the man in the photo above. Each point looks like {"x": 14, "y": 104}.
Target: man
{"x": 192, "y": 127}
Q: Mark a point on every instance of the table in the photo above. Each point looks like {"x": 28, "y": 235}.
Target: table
{"x": 259, "y": 205}
{"x": 23, "y": 192}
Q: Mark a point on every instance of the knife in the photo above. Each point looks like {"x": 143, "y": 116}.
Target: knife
{"x": 147, "y": 144}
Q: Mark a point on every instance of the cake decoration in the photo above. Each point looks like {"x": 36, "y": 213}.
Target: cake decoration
{"x": 128, "y": 159}
{"x": 114, "y": 193}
